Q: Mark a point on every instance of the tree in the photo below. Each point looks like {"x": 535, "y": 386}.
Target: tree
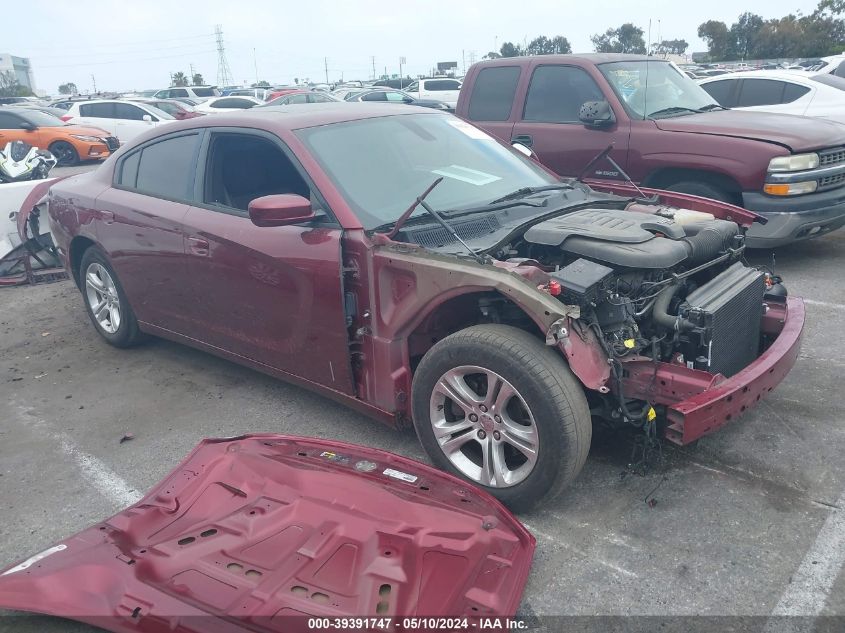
{"x": 197, "y": 80}
{"x": 492, "y": 55}
{"x": 625, "y": 39}
{"x": 178, "y": 79}
{"x": 744, "y": 32}
{"x": 261, "y": 84}
{"x": 11, "y": 87}
{"x": 510, "y": 50}
{"x": 68, "y": 89}
{"x": 672, "y": 47}
{"x": 718, "y": 39}
{"x": 544, "y": 46}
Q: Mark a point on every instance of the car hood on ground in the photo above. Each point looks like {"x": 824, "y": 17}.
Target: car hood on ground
{"x": 260, "y": 532}
{"x": 796, "y": 133}
{"x": 84, "y": 130}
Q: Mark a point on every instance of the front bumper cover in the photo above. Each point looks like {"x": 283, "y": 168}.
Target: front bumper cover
{"x": 698, "y": 402}
{"x": 793, "y": 219}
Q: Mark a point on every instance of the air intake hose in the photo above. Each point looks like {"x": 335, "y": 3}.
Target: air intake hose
{"x": 661, "y": 311}
{"x": 706, "y": 243}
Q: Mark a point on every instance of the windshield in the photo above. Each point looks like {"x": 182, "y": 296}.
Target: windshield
{"x": 655, "y": 88}
{"x": 830, "y": 80}
{"x": 382, "y": 164}
{"x": 41, "y": 119}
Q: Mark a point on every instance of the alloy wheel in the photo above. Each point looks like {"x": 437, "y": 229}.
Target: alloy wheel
{"x": 103, "y": 299}
{"x": 484, "y": 426}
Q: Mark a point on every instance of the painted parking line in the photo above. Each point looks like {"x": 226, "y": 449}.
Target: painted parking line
{"x": 102, "y": 478}
{"x": 812, "y": 583}
{"x": 825, "y": 304}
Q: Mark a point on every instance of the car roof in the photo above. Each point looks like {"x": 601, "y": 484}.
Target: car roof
{"x": 797, "y": 76}
{"x": 591, "y": 58}
{"x": 294, "y": 118}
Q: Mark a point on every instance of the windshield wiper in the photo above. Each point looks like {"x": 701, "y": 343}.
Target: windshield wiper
{"x": 672, "y": 110}
{"x": 527, "y": 191}
{"x": 420, "y": 201}
{"x": 711, "y": 106}
{"x": 407, "y": 214}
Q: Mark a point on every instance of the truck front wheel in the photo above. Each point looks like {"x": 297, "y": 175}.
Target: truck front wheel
{"x": 494, "y": 405}
{"x": 703, "y": 189}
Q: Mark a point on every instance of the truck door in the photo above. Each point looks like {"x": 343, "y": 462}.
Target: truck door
{"x": 491, "y": 99}
{"x": 549, "y": 123}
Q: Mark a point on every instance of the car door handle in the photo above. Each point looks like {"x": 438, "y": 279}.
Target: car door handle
{"x": 107, "y": 217}
{"x": 523, "y": 139}
{"x": 199, "y": 246}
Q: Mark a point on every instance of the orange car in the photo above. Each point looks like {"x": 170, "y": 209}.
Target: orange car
{"x": 68, "y": 143}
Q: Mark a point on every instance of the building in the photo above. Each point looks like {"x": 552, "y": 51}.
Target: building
{"x": 21, "y": 67}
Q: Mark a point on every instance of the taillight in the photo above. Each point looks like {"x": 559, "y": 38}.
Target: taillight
{"x": 65, "y": 118}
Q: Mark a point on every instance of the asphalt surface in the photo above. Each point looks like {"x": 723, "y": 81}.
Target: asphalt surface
{"x": 749, "y": 521}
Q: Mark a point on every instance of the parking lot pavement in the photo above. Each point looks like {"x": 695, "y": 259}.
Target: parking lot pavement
{"x": 747, "y": 521}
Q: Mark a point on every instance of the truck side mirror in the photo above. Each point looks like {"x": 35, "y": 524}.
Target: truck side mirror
{"x": 596, "y": 114}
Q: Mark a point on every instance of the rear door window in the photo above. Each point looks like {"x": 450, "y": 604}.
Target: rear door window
{"x": 202, "y": 92}
{"x": 760, "y": 92}
{"x": 793, "y": 92}
{"x": 294, "y": 99}
{"x": 556, "y": 94}
{"x": 234, "y": 102}
{"x": 722, "y": 91}
{"x": 97, "y": 110}
{"x": 128, "y": 112}
{"x": 163, "y": 169}
{"x": 178, "y": 92}
{"x": 375, "y": 96}
{"x": 493, "y": 93}
{"x": 442, "y": 84}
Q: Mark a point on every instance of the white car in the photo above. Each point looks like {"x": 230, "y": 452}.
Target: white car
{"x": 123, "y": 119}
{"x": 191, "y": 92}
{"x": 222, "y": 104}
{"x": 784, "y": 91}
{"x": 443, "y": 89}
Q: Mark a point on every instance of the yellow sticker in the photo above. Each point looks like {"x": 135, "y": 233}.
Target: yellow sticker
{"x": 629, "y": 343}
{"x": 651, "y": 415}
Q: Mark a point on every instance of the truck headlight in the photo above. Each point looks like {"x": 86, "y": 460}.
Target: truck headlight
{"x": 791, "y": 188}
{"x": 796, "y": 162}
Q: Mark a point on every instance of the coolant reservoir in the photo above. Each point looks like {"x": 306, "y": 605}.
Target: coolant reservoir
{"x": 688, "y": 216}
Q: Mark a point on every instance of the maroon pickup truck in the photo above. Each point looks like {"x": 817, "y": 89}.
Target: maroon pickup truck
{"x": 667, "y": 133}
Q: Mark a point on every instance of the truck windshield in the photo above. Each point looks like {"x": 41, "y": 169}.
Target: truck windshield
{"x": 655, "y": 89}
{"x": 381, "y": 164}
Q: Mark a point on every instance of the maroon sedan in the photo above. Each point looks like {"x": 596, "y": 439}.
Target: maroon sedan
{"x": 404, "y": 262}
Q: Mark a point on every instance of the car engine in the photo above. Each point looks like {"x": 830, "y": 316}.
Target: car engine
{"x": 653, "y": 281}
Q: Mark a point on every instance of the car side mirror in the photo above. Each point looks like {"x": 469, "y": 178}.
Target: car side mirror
{"x": 29, "y": 127}
{"x": 596, "y": 114}
{"x": 407, "y": 100}
{"x": 280, "y": 209}
{"x": 147, "y": 118}
{"x": 524, "y": 150}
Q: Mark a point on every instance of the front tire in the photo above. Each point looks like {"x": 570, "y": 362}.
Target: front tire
{"x": 494, "y": 405}
{"x": 65, "y": 153}
{"x": 703, "y": 189}
{"x": 106, "y": 302}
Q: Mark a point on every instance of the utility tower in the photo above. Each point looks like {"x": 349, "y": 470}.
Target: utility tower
{"x": 224, "y": 74}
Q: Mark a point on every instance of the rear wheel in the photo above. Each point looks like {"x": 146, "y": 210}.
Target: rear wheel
{"x": 106, "y": 301}
{"x": 494, "y": 405}
{"x": 703, "y": 189}
{"x": 65, "y": 153}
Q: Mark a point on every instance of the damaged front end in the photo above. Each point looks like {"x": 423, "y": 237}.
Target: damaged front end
{"x": 267, "y": 532}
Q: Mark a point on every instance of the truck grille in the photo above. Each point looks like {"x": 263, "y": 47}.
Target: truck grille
{"x": 832, "y": 157}
{"x": 831, "y": 181}
{"x": 730, "y": 307}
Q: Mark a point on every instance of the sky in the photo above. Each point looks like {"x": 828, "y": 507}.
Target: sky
{"x": 123, "y": 45}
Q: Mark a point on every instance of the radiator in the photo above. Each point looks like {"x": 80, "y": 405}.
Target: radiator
{"x": 729, "y": 309}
